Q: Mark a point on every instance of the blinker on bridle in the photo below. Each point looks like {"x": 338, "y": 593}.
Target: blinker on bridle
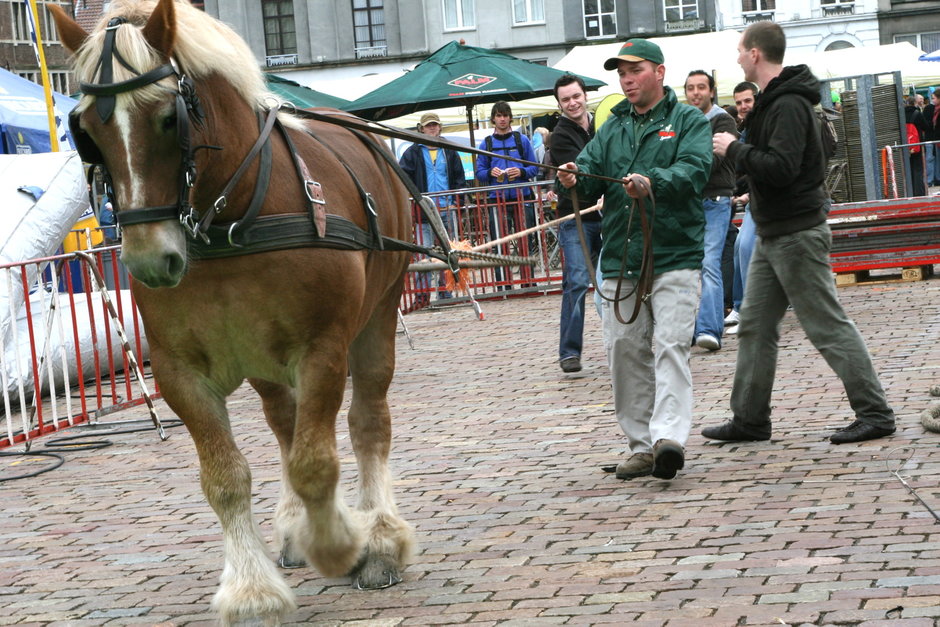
{"x": 188, "y": 110}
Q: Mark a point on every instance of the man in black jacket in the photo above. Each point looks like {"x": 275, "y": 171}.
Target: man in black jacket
{"x": 574, "y": 130}
{"x": 784, "y": 160}
{"x": 434, "y": 170}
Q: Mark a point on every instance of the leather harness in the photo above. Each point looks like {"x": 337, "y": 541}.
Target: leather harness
{"x": 251, "y": 233}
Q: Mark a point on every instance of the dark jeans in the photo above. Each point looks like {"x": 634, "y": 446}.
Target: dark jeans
{"x": 575, "y": 282}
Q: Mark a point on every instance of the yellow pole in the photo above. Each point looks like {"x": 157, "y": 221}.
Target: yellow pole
{"x": 53, "y": 133}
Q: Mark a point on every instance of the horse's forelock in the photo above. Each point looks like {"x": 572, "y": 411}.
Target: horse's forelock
{"x": 204, "y": 46}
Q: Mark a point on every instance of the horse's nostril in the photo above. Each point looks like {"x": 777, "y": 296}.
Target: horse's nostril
{"x": 175, "y": 265}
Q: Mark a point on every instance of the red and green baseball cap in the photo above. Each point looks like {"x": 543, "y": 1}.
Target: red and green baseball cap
{"x": 635, "y": 50}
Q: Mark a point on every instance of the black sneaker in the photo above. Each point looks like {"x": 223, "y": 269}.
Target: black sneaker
{"x": 859, "y": 431}
{"x": 730, "y": 432}
{"x": 570, "y": 364}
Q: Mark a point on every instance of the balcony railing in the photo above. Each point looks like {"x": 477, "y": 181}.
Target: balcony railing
{"x": 685, "y": 25}
{"x": 368, "y": 52}
{"x": 838, "y": 9}
{"x": 277, "y": 60}
{"x": 758, "y": 16}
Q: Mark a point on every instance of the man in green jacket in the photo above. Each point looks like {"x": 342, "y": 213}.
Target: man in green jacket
{"x": 661, "y": 150}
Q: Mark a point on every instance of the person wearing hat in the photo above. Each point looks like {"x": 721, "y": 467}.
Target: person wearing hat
{"x": 662, "y": 151}
{"x": 434, "y": 170}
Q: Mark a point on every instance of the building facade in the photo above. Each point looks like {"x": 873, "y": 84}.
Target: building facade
{"x": 17, "y": 54}
{"x": 331, "y": 39}
{"x": 914, "y": 21}
{"x": 810, "y": 25}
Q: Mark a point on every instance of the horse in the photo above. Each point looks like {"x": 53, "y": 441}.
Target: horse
{"x": 171, "y": 102}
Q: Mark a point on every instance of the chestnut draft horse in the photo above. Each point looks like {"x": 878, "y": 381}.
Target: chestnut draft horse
{"x": 292, "y": 287}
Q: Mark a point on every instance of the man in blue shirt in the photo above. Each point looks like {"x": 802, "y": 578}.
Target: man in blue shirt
{"x": 506, "y": 205}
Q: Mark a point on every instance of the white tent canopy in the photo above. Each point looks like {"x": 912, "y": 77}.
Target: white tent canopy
{"x": 900, "y": 57}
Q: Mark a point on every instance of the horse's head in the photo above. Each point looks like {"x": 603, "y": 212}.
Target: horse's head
{"x": 141, "y": 119}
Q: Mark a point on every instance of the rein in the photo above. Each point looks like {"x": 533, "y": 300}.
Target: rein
{"x": 293, "y": 230}
{"x": 644, "y": 284}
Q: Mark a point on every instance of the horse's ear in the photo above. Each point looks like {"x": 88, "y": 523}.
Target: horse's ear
{"x": 160, "y": 29}
{"x": 70, "y": 33}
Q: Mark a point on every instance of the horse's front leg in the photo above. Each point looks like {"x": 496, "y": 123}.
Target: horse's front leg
{"x": 372, "y": 363}
{"x": 332, "y": 535}
{"x": 250, "y": 586}
{"x": 280, "y": 410}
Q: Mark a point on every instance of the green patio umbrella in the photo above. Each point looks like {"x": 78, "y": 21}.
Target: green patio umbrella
{"x": 302, "y": 97}
{"x": 457, "y": 74}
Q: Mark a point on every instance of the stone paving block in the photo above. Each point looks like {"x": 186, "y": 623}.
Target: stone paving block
{"x": 498, "y": 469}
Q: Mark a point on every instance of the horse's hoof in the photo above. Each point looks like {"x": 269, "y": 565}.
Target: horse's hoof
{"x": 288, "y": 562}
{"x": 375, "y": 574}
{"x": 935, "y": 390}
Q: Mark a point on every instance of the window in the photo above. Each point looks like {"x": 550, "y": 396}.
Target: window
{"x": 279, "y": 33}
{"x": 59, "y": 81}
{"x": 527, "y": 11}
{"x": 458, "y": 14}
{"x": 758, "y": 5}
{"x": 369, "y": 24}
{"x": 20, "y": 21}
{"x": 600, "y": 18}
{"x": 928, "y": 42}
{"x": 678, "y": 10}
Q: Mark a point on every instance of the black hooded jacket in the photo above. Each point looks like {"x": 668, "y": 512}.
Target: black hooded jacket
{"x": 783, "y": 156}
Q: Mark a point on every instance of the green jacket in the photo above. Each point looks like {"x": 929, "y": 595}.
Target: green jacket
{"x": 674, "y": 151}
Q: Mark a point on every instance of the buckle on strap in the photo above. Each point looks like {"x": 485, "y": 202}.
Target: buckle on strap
{"x": 314, "y": 192}
{"x": 190, "y": 222}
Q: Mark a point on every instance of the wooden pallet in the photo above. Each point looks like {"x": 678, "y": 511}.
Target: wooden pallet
{"x": 864, "y": 277}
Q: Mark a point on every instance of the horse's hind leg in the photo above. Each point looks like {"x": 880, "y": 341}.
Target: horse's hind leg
{"x": 250, "y": 586}
{"x": 389, "y": 538}
{"x": 280, "y": 410}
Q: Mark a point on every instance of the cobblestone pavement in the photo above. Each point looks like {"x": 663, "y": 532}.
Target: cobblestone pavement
{"x": 497, "y": 456}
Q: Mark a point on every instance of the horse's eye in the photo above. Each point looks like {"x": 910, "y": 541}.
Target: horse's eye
{"x": 169, "y": 123}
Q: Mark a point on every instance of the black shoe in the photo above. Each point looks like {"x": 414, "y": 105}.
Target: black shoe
{"x": 859, "y": 431}
{"x": 730, "y": 432}
{"x": 570, "y": 364}
{"x": 668, "y": 458}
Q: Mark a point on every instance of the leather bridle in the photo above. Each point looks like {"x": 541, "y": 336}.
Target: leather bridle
{"x": 189, "y": 114}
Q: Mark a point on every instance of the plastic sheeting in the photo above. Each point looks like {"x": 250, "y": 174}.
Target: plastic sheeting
{"x": 31, "y": 228}
{"x": 52, "y": 317}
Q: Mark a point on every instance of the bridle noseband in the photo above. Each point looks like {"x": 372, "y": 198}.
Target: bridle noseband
{"x": 189, "y": 113}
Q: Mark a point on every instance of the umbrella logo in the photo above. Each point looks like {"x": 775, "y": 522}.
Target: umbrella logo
{"x": 472, "y": 81}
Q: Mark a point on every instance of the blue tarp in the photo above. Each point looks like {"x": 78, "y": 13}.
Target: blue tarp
{"x": 24, "y": 125}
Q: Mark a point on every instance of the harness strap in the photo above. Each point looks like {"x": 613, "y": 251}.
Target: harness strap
{"x": 428, "y": 208}
{"x": 103, "y": 90}
{"x": 147, "y": 214}
{"x": 287, "y": 231}
{"x": 262, "y": 145}
{"x": 369, "y": 207}
{"x": 315, "y": 201}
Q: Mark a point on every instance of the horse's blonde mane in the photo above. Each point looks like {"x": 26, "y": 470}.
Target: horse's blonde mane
{"x": 204, "y": 46}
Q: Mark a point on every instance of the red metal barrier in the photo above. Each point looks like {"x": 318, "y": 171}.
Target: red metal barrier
{"x": 483, "y": 215}
{"x": 62, "y": 361}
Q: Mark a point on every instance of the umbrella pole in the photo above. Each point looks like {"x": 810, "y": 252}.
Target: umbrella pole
{"x": 473, "y": 143}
